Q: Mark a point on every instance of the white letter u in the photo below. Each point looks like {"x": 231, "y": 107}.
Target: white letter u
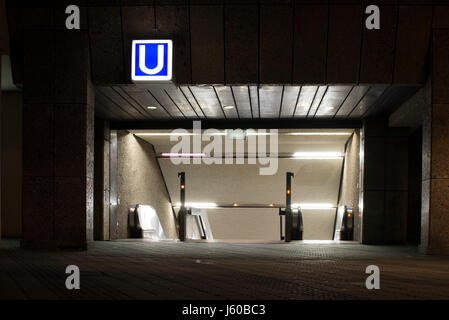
{"x": 160, "y": 60}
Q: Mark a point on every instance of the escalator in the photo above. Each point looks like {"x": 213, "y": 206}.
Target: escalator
{"x": 344, "y": 224}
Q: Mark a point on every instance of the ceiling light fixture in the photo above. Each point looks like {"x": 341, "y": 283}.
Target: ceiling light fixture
{"x": 228, "y": 107}
{"x": 318, "y": 155}
{"x": 152, "y": 107}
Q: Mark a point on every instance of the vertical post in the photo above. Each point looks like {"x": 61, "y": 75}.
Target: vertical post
{"x": 288, "y": 208}
{"x": 113, "y": 194}
{"x": 280, "y": 224}
{"x": 290, "y": 175}
{"x": 0, "y": 144}
{"x": 182, "y": 188}
{"x": 182, "y": 210}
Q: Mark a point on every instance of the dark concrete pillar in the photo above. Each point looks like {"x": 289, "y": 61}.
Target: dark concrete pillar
{"x": 414, "y": 187}
{"x": 435, "y": 174}
{"x": 4, "y": 48}
{"x": 58, "y": 116}
{"x": 11, "y": 163}
{"x": 374, "y": 133}
{"x": 0, "y": 147}
{"x": 101, "y": 180}
{"x": 396, "y": 186}
{"x": 385, "y": 183}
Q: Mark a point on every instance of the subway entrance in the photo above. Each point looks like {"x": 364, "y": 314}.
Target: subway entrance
{"x": 239, "y": 186}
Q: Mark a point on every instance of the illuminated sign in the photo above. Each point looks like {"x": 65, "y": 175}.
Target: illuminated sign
{"x": 152, "y": 60}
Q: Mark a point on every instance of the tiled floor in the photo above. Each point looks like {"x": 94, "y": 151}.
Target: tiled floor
{"x": 170, "y": 270}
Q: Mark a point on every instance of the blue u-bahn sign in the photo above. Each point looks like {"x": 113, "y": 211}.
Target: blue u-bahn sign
{"x": 152, "y": 60}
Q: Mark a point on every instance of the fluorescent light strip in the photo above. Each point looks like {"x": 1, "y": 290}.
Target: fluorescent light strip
{"x": 317, "y": 158}
{"x": 313, "y": 206}
{"x": 318, "y": 155}
{"x": 259, "y": 134}
{"x": 161, "y": 134}
{"x": 202, "y": 205}
{"x": 319, "y": 133}
{"x": 181, "y": 155}
{"x": 164, "y": 134}
{"x": 296, "y": 155}
{"x": 249, "y": 133}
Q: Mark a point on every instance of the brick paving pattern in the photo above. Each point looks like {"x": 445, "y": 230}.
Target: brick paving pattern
{"x": 174, "y": 270}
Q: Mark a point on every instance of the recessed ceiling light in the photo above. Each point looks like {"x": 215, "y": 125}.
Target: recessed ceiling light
{"x": 152, "y": 107}
{"x": 228, "y": 107}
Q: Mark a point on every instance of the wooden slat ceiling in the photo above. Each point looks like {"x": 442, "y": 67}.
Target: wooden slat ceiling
{"x": 130, "y": 102}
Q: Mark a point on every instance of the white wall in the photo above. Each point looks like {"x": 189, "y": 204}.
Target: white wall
{"x": 318, "y": 224}
{"x": 244, "y": 224}
{"x": 263, "y": 224}
{"x": 316, "y": 181}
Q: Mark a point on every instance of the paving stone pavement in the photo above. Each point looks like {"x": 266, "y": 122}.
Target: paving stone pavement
{"x": 238, "y": 270}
